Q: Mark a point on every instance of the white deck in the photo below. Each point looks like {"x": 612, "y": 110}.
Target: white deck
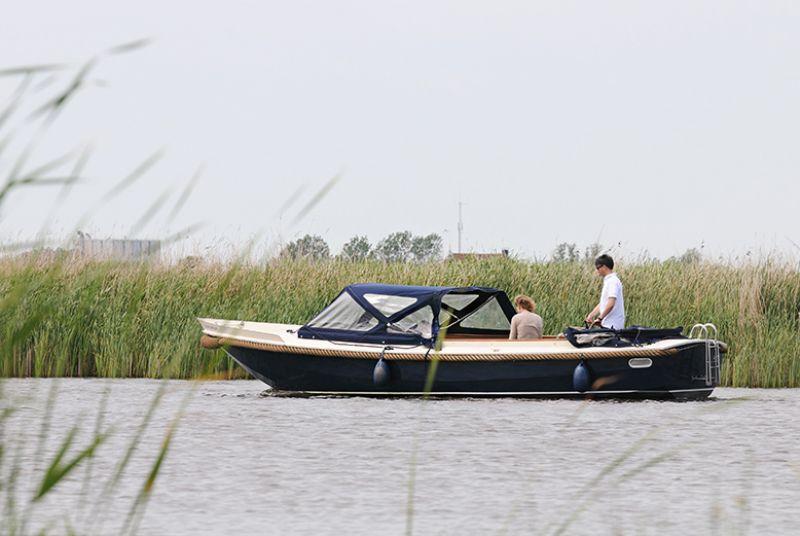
{"x": 286, "y": 334}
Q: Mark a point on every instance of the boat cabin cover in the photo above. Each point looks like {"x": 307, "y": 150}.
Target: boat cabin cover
{"x": 375, "y": 313}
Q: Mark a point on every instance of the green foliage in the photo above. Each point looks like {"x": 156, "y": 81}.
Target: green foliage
{"x": 426, "y": 248}
{"x": 592, "y": 251}
{"x": 45, "y": 290}
{"x": 311, "y": 247}
{"x": 395, "y": 248}
{"x": 405, "y": 247}
{"x": 565, "y": 252}
{"x": 690, "y": 256}
{"x": 26, "y": 509}
{"x": 569, "y": 252}
{"x": 356, "y": 249}
{"x": 57, "y": 470}
{"x": 138, "y": 320}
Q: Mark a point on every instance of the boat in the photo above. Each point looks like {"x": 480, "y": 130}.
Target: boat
{"x": 394, "y": 340}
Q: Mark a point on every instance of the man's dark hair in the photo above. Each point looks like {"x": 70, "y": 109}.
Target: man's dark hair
{"x": 604, "y": 260}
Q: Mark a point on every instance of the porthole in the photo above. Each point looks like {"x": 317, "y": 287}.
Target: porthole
{"x": 640, "y": 362}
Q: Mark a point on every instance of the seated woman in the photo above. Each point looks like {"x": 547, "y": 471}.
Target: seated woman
{"x": 526, "y": 324}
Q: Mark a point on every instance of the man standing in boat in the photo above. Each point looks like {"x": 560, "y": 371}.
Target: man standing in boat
{"x": 610, "y": 312}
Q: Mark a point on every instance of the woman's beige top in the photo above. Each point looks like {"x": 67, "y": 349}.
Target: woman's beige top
{"x": 526, "y": 325}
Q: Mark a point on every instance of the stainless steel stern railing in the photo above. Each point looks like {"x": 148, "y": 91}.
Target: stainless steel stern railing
{"x": 710, "y": 335}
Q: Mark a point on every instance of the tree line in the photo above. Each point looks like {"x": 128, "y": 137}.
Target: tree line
{"x": 405, "y": 247}
{"x": 397, "y": 247}
{"x": 570, "y": 252}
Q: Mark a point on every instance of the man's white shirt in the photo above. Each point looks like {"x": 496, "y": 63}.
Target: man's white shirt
{"x": 612, "y": 288}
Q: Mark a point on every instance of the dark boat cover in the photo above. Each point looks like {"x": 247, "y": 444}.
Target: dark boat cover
{"x": 376, "y": 313}
{"x": 632, "y": 336}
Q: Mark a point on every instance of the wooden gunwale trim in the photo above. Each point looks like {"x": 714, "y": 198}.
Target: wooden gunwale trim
{"x": 407, "y": 356}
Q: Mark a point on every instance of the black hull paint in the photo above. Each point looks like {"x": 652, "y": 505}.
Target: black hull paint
{"x": 669, "y": 377}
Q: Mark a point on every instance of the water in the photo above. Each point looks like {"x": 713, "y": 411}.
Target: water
{"x": 245, "y": 463}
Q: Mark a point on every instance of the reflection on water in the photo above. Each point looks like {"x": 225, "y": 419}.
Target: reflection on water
{"x": 254, "y": 464}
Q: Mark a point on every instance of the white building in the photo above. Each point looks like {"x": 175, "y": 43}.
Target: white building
{"x": 117, "y": 249}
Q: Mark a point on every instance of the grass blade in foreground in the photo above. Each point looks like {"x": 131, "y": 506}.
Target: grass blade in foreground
{"x": 57, "y": 471}
{"x": 430, "y": 378}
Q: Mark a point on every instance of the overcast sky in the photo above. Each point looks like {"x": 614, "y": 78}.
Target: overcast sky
{"x": 652, "y": 126}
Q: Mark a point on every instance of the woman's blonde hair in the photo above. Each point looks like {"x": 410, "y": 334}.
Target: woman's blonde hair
{"x": 525, "y": 303}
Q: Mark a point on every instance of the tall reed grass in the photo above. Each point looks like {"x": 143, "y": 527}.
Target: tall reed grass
{"x": 115, "y": 319}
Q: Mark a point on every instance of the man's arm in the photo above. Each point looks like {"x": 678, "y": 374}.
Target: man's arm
{"x": 604, "y": 312}
{"x": 513, "y": 334}
{"x": 590, "y": 317}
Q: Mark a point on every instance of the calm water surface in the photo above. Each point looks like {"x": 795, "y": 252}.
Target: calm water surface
{"x": 244, "y": 463}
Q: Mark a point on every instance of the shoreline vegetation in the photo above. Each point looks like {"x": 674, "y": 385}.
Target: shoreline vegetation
{"x": 63, "y": 316}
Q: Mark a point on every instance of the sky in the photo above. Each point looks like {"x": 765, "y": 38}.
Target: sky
{"x": 648, "y": 127}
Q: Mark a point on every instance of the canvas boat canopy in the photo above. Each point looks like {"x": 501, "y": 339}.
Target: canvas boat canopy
{"x": 375, "y": 313}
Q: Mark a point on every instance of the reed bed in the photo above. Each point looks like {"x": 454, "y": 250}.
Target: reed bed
{"x": 73, "y": 317}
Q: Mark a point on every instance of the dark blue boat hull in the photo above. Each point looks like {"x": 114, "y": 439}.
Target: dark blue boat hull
{"x": 678, "y": 376}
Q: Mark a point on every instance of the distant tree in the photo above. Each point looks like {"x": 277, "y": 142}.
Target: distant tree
{"x": 356, "y": 249}
{"x": 308, "y": 247}
{"x": 565, "y": 252}
{"x": 592, "y": 251}
{"x": 690, "y": 256}
{"x": 394, "y": 248}
{"x": 426, "y": 248}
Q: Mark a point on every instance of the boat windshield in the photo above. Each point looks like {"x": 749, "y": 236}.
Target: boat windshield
{"x": 420, "y": 322}
{"x": 456, "y": 313}
{"x": 344, "y": 313}
{"x": 489, "y": 316}
{"x": 458, "y": 301}
{"x": 388, "y": 304}
{"x": 377, "y": 313}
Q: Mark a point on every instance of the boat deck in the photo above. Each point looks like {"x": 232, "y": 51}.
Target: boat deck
{"x": 283, "y": 338}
